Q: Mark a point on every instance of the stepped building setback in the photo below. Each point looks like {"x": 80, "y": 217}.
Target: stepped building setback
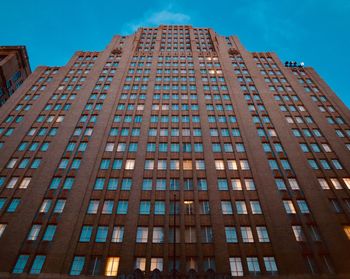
{"x": 174, "y": 147}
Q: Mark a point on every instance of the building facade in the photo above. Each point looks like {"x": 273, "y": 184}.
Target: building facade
{"x": 174, "y": 147}
{"x": 14, "y": 69}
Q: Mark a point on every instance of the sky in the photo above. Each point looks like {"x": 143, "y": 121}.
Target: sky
{"x": 316, "y": 32}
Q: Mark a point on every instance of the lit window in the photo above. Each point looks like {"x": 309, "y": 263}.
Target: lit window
{"x": 236, "y": 266}
{"x": 157, "y": 263}
{"x": 109, "y": 147}
{"x": 158, "y": 235}
{"x": 149, "y": 164}
{"x": 236, "y": 184}
{"x": 347, "y": 231}
{"x": 244, "y": 164}
{"x": 347, "y": 182}
{"x": 336, "y": 184}
{"x": 289, "y": 207}
{"x": 187, "y": 164}
{"x": 130, "y": 164}
{"x": 298, "y": 233}
{"x": 140, "y": 263}
{"x": 12, "y": 183}
{"x": 25, "y": 182}
{"x": 219, "y": 165}
{"x": 112, "y": 266}
{"x": 2, "y": 229}
{"x": 118, "y": 234}
{"x": 241, "y": 207}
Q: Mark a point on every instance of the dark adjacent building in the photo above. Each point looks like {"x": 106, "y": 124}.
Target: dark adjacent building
{"x": 14, "y": 69}
{"x": 175, "y": 147}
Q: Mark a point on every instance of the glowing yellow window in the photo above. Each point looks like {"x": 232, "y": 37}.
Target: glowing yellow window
{"x": 347, "y": 231}
{"x": 187, "y": 165}
{"x": 112, "y": 266}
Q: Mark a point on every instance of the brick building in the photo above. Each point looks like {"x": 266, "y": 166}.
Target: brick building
{"x": 175, "y": 141}
{"x": 14, "y": 69}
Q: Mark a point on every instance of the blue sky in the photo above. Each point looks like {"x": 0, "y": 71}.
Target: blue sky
{"x": 314, "y": 31}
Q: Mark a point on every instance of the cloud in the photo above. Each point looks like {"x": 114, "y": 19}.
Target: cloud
{"x": 150, "y": 19}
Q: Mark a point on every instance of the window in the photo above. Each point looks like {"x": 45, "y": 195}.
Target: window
{"x": 244, "y": 164}
{"x": 253, "y": 265}
{"x": 247, "y": 234}
{"x": 37, "y": 264}
{"x": 13, "y": 205}
{"x": 118, "y": 234}
{"x": 303, "y": 206}
{"x": 20, "y": 264}
{"x": 226, "y": 207}
{"x": 236, "y": 266}
{"x": 157, "y": 263}
{"x": 289, "y": 207}
{"x": 159, "y": 208}
{"x": 107, "y": 207}
{"x": 158, "y": 235}
{"x": 2, "y": 229}
{"x": 255, "y": 206}
{"x": 190, "y": 235}
{"x": 101, "y": 235}
{"x": 142, "y": 235}
{"x": 112, "y": 266}
{"x": 59, "y": 206}
{"x": 145, "y": 207}
{"x": 140, "y": 263}
{"x": 298, "y": 233}
{"x": 241, "y": 207}
{"x": 231, "y": 235}
{"x": 77, "y": 265}
{"x": 270, "y": 264}
{"x": 347, "y": 231}
{"x": 263, "y": 235}
{"x": 207, "y": 235}
{"x": 122, "y": 207}
{"x": 49, "y": 233}
{"x": 85, "y": 234}
{"x": 130, "y": 164}
{"x": 25, "y": 182}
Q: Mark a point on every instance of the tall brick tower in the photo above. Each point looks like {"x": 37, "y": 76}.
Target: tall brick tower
{"x": 174, "y": 147}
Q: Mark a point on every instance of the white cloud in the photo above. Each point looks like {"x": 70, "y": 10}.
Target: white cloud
{"x": 165, "y": 16}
